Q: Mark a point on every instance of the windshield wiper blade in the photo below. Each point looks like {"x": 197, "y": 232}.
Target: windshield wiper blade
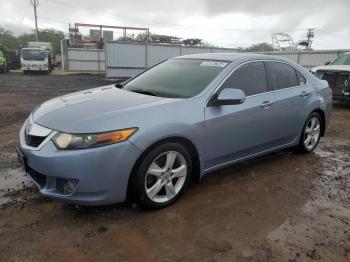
{"x": 119, "y": 85}
{"x": 145, "y": 92}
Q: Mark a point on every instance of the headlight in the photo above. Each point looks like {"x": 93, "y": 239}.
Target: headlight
{"x": 66, "y": 141}
{"x": 319, "y": 74}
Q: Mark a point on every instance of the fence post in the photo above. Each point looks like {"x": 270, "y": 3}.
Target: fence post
{"x": 146, "y": 54}
{"x": 298, "y": 59}
{"x": 98, "y": 60}
{"x": 105, "y": 51}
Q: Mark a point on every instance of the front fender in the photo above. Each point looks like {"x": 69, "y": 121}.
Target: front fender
{"x": 193, "y": 133}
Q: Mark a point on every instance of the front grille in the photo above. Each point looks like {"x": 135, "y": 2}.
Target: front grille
{"x": 336, "y": 81}
{"x": 33, "y": 141}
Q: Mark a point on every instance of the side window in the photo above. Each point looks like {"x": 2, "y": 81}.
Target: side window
{"x": 281, "y": 76}
{"x": 251, "y": 78}
{"x": 301, "y": 78}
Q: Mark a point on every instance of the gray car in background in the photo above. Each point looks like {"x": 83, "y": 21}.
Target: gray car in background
{"x": 186, "y": 117}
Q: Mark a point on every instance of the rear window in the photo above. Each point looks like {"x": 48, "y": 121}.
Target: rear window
{"x": 301, "y": 78}
{"x": 282, "y": 76}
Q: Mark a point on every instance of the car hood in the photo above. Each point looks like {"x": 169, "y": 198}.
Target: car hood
{"x": 331, "y": 68}
{"x": 93, "y": 110}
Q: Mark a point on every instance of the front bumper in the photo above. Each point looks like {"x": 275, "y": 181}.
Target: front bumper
{"x": 342, "y": 98}
{"x": 39, "y": 68}
{"x": 100, "y": 175}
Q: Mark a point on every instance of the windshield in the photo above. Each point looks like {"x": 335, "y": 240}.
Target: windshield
{"x": 342, "y": 60}
{"x": 33, "y": 54}
{"x": 178, "y": 78}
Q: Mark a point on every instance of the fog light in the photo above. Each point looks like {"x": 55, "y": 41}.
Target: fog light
{"x": 70, "y": 186}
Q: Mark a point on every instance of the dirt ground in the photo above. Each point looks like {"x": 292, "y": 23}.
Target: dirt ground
{"x": 280, "y": 207}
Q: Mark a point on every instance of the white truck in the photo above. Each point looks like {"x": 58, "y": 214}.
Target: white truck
{"x": 36, "y": 57}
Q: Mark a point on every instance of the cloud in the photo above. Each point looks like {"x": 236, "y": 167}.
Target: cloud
{"x": 222, "y": 22}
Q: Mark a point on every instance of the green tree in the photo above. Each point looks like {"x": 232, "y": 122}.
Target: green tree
{"x": 46, "y": 35}
{"x": 262, "y": 47}
{"x": 7, "y": 39}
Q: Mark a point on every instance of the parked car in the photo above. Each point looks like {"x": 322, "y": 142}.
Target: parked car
{"x": 3, "y": 63}
{"x": 337, "y": 73}
{"x": 176, "y": 122}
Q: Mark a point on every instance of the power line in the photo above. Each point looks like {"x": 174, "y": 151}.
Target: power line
{"x": 24, "y": 15}
{"x": 182, "y": 27}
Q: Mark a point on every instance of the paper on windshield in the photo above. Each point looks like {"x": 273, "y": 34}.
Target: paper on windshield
{"x": 213, "y": 63}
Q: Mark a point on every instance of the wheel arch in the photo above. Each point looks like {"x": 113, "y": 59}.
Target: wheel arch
{"x": 188, "y": 144}
{"x": 323, "y": 119}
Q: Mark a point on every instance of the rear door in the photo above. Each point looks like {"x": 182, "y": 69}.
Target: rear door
{"x": 290, "y": 95}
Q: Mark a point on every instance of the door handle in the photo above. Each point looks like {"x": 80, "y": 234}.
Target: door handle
{"x": 266, "y": 104}
{"x": 304, "y": 93}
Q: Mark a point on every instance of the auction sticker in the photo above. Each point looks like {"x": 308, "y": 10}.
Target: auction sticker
{"x": 213, "y": 63}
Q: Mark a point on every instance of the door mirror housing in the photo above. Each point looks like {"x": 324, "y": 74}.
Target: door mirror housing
{"x": 327, "y": 63}
{"x": 228, "y": 96}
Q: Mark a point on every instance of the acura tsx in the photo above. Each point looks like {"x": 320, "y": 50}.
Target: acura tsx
{"x": 148, "y": 137}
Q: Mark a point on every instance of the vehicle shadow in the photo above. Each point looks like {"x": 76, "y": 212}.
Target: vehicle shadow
{"x": 249, "y": 181}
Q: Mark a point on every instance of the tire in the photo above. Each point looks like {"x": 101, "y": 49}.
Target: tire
{"x": 158, "y": 183}
{"x": 311, "y": 133}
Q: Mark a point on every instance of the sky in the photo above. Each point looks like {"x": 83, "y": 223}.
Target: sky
{"x": 226, "y": 23}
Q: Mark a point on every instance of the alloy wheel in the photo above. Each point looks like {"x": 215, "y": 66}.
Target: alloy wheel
{"x": 166, "y": 176}
{"x": 312, "y": 133}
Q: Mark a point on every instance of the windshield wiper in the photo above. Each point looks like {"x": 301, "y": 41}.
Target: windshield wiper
{"x": 145, "y": 92}
{"x": 119, "y": 85}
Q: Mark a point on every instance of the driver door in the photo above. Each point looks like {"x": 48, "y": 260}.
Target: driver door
{"x": 238, "y": 131}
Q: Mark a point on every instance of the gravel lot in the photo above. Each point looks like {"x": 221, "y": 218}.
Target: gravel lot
{"x": 280, "y": 207}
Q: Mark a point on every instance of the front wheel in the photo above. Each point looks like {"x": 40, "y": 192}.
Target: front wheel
{"x": 162, "y": 176}
{"x": 311, "y": 134}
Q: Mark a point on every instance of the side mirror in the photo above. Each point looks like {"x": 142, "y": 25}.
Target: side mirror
{"x": 228, "y": 96}
{"x": 327, "y": 63}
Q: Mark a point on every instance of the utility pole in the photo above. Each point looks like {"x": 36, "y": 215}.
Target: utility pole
{"x": 35, "y": 4}
{"x": 310, "y": 35}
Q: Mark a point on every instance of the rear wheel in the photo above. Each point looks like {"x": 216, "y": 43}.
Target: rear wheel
{"x": 311, "y": 133}
{"x": 162, "y": 176}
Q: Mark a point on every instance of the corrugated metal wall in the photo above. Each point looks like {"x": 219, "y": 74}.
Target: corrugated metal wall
{"x": 128, "y": 59}
{"x": 309, "y": 59}
{"x": 82, "y": 59}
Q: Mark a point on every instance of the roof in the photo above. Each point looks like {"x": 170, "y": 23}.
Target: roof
{"x": 231, "y": 56}
{"x": 212, "y": 56}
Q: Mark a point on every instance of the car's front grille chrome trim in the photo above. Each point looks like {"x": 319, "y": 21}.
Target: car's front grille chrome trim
{"x": 34, "y": 136}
